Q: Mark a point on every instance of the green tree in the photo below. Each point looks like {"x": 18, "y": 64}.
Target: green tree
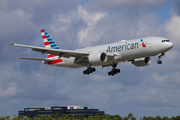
{"x": 130, "y": 115}
{"x": 125, "y": 118}
{"x": 2, "y": 118}
{"x": 73, "y": 116}
{"x": 177, "y": 117}
{"x": 145, "y": 118}
{"x": 25, "y": 118}
{"x": 158, "y": 118}
{"x": 65, "y": 116}
{"x": 165, "y": 118}
{"x": 116, "y": 117}
{"x": 91, "y": 118}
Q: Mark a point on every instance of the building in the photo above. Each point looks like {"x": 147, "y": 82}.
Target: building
{"x": 69, "y": 110}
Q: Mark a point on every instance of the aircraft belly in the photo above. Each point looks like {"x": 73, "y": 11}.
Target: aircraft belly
{"x": 68, "y": 63}
{"x": 138, "y": 53}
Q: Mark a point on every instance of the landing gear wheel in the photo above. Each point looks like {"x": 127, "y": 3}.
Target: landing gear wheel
{"x": 159, "y": 57}
{"x": 114, "y": 70}
{"x": 159, "y": 62}
{"x": 89, "y": 70}
{"x": 84, "y": 72}
{"x": 112, "y": 73}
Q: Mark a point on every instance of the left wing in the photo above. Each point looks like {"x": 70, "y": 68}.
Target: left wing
{"x": 58, "y": 52}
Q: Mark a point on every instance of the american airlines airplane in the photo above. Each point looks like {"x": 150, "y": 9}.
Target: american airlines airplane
{"x": 136, "y": 51}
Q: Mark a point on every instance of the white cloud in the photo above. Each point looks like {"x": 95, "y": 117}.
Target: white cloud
{"x": 10, "y": 91}
{"x": 172, "y": 55}
{"x": 86, "y": 35}
{"x": 89, "y": 34}
{"x": 64, "y": 90}
{"x": 14, "y": 21}
{"x": 172, "y": 28}
{"x": 97, "y": 77}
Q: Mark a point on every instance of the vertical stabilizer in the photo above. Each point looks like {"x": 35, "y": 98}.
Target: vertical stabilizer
{"x": 48, "y": 42}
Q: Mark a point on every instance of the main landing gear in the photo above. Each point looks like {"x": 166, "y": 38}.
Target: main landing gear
{"x": 159, "y": 57}
{"x": 114, "y": 70}
{"x": 89, "y": 70}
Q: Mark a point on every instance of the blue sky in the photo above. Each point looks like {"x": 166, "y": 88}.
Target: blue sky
{"x": 165, "y": 12}
{"x": 145, "y": 91}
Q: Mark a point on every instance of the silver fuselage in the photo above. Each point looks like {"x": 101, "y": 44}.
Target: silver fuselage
{"x": 123, "y": 51}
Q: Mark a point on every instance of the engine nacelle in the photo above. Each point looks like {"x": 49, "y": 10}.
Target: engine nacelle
{"x": 140, "y": 62}
{"x": 97, "y": 58}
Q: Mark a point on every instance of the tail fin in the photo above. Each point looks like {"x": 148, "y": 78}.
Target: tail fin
{"x": 48, "y": 42}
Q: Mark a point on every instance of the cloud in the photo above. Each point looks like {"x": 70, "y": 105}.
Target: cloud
{"x": 119, "y": 5}
{"x": 89, "y": 34}
{"x": 172, "y": 28}
{"x": 86, "y": 33}
{"x": 97, "y": 77}
{"x": 11, "y": 90}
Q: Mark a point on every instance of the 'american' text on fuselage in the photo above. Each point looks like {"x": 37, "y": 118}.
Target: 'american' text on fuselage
{"x": 122, "y": 47}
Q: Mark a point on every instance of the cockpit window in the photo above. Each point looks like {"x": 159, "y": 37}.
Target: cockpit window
{"x": 165, "y": 40}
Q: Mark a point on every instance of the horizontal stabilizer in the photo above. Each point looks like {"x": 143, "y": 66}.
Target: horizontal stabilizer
{"x": 39, "y": 59}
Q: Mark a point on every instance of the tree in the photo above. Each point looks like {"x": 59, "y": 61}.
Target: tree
{"x": 73, "y": 116}
{"x": 117, "y": 117}
{"x": 125, "y": 118}
{"x": 145, "y": 118}
{"x": 130, "y": 115}
{"x": 158, "y": 118}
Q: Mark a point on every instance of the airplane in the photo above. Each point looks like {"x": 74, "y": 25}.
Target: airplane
{"x": 136, "y": 51}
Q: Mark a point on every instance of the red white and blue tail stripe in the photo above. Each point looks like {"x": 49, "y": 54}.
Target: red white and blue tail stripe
{"x": 48, "y": 41}
{"x": 50, "y": 44}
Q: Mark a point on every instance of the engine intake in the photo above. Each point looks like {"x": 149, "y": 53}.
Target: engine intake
{"x": 97, "y": 58}
{"x": 140, "y": 62}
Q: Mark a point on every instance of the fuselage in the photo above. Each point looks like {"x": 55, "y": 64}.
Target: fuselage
{"x": 123, "y": 51}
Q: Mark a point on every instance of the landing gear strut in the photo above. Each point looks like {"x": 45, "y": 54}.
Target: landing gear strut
{"x": 89, "y": 70}
{"x": 114, "y": 70}
{"x": 159, "y": 57}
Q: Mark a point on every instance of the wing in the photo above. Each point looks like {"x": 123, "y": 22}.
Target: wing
{"x": 58, "y": 52}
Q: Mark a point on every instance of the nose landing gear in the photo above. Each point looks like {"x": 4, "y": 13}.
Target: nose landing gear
{"x": 159, "y": 57}
{"x": 159, "y": 62}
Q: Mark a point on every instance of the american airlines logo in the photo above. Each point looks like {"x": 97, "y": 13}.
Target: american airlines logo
{"x": 122, "y": 47}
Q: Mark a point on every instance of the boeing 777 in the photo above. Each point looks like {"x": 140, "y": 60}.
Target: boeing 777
{"x": 136, "y": 51}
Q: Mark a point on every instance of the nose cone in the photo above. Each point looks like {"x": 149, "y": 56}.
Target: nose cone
{"x": 166, "y": 46}
{"x": 170, "y": 45}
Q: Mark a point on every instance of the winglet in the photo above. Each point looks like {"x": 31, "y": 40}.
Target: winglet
{"x": 11, "y": 43}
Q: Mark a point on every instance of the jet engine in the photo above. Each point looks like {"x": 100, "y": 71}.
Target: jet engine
{"x": 140, "y": 62}
{"x": 97, "y": 58}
